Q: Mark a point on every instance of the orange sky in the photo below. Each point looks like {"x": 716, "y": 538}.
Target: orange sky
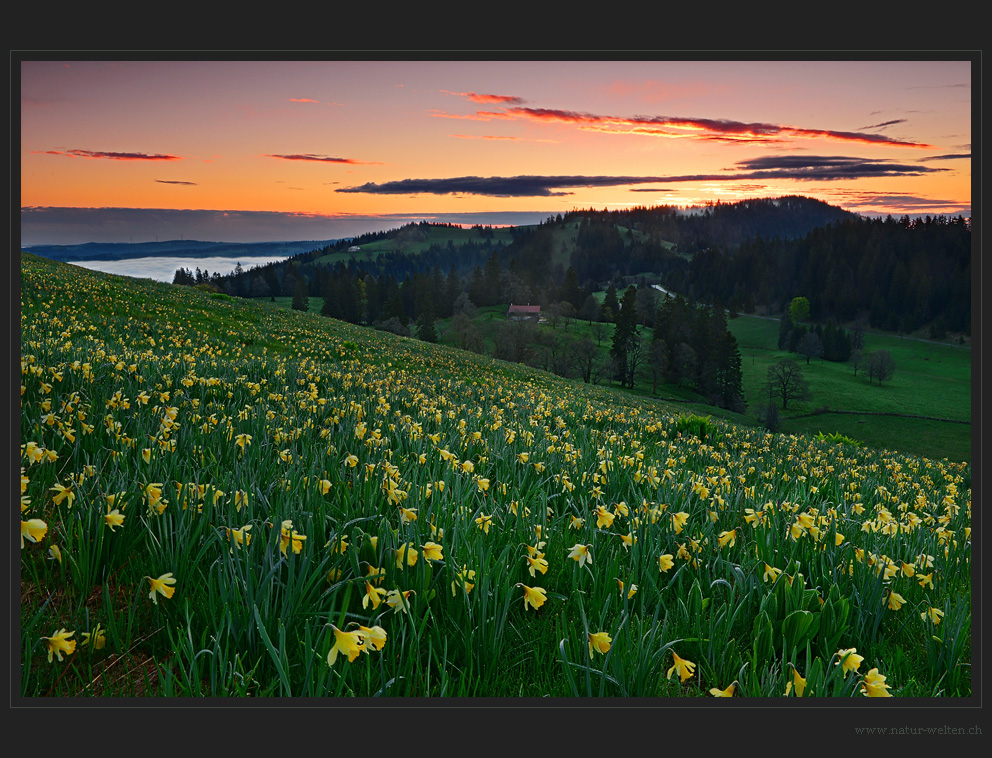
{"x": 317, "y": 140}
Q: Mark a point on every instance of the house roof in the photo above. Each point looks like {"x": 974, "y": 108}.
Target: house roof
{"x": 524, "y": 309}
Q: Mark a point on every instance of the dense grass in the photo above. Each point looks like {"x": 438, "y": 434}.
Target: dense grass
{"x": 283, "y": 468}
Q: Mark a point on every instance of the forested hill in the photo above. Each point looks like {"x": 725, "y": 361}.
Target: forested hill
{"x": 725, "y": 224}
{"x": 756, "y": 254}
{"x": 903, "y": 275}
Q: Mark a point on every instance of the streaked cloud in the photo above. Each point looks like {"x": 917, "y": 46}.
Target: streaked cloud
{"x": 498, "y": 137}
{"x": 475, "y": 97}
{"x": 175, "y": 181}
{"x": 883, "y": 124}
{"x": 478, "y": 116}
{"x": 75, "y": 153}
{"x": 827, "y": 168}
{"x": 947, "y": 157}
{"x": 486, "y": 136}
{"x": 497, "y": 186}
{"x": 795, "y": 167}
{"x": 699, "y": 128}
{"x": 321, "y": 159}
{"x": 301, "y": 100}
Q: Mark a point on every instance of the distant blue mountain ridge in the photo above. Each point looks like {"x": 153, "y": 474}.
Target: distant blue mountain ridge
{"x": 118, "y": 251}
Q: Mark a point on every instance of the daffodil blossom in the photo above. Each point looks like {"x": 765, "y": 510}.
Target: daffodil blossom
{"x": 599, "y": 642}
{"x": 534, "y": 597}
{"x": 683, "y": 667}
{"x": 161, "y": 586}
{"x": 60, "y": 643}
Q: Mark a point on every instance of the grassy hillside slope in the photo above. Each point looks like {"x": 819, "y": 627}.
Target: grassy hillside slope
{"x": 223, "y": 497}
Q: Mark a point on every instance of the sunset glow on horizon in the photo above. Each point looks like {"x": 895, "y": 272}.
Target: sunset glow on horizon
{"x": 327, "y": 141}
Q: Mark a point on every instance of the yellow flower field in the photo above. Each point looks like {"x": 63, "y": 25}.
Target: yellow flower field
{"x": 276, "y": 488}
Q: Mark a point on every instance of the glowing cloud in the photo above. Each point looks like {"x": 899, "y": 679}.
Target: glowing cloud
{"x": 112, "y": 156}
{"x": 700, "y": 128}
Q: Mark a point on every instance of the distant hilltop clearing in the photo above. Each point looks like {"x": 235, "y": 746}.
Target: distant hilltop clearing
{"x": 118, "y": 251}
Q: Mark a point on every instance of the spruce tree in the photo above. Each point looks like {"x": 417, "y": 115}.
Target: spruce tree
{"x": 301, "y": 302}
{"x": 623, "y": 338}
{"x": 611, "y": 306}
{"x": 426, "y": 330}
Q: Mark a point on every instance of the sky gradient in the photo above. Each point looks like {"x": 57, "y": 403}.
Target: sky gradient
{"x": 295, "y": 150}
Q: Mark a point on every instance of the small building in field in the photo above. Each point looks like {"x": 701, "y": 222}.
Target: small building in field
{"x": 522, "y": 312}
{"x": 354, "y": 249}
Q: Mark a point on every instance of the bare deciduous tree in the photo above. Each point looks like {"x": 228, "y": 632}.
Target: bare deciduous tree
{"x": 880, "y": 367}
{"x": 786, "y": 381}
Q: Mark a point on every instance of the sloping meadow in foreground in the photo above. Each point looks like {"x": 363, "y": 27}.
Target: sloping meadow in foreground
{"x": 219, "y": 497}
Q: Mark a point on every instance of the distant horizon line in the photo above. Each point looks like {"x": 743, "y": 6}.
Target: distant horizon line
{"x": 63, "y": 226}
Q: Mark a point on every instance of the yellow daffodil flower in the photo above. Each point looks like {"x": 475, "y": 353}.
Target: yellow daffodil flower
{"x": 536, "y": 562}
{"x": 399, "y": 601}
{"x": 534, "y": 596}
{"x": 580, "y": 553}
{"x": 484, "y": 522}
{"x": 874, "y": 685}
{"x": 599, "y": 641}
{"x": 98, "y": 637}
{"x": 685, "y": 668}
{"x": 33, "y": 530}
{"x": 604, "y": 519}
{"x": 161, "y": 586}
{"x": 728, "y": 692}
{"x": 114, "y": 519}
{"x": 374, "y": 636}
{"x": 60, "y": 643}
{"x": 288, "y": 535}
{"x": 347, "y": 643}
{"x": 849, "y": 660}
{"x": 432, "y": 551}
{"x": 411, "y": 555}
{"x": 462, "y": 579}
{"x": 797, "y": 683}
{"x": 63, "y": 494}
{"x": 372, "y": 595}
